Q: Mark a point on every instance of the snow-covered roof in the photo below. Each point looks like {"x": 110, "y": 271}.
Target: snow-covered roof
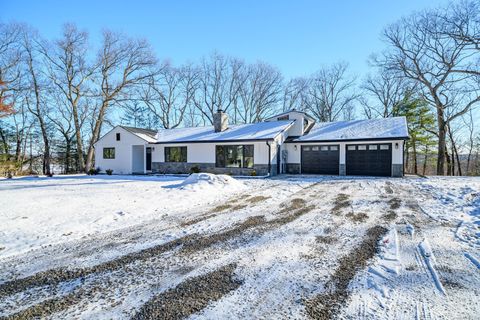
{"x": 384, "y": 128}
{"x": 242, "y": 132}
{"x": 145, "y": 134}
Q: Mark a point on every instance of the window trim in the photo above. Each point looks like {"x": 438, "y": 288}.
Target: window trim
{"x": 110, "y": 149}
{"x": 243, "y": 165}
{"x": 167, "y": 159}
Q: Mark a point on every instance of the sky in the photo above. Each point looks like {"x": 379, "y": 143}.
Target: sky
{"x": 298, "y": 37}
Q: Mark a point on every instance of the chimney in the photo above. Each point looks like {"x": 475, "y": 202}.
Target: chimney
{"x": 220, "y": 121}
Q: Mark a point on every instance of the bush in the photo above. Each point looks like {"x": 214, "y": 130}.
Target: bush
{"x": 50, "y": 174}
{"x": 195, "y": 169}
{"x": 93, "y": 171}
{"x": 253, "y": 173}
{"x": 109, "y": 171}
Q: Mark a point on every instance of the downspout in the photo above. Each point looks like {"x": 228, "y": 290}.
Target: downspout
{"x": 269, "y": 157}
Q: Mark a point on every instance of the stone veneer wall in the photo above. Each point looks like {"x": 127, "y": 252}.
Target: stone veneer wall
{"x": 397, "y": 170}
{"x": 293, "y": 168}
{"x": 185, "y": 167}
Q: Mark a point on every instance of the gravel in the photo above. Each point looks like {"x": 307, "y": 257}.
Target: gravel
{"x": 327, "y": 305}
{"x": 190, "y": 296}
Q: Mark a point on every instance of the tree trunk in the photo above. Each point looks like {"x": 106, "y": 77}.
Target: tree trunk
{"x": 95, "y": 135}
{"x": 449, "y": 163}
{"x": 425, "y": 160}
{"x": 441, "y": 145}
{"x": 414, "y": 149}
{"x": 78, "y": 135}
{"x": 407, "y": 156}
{"x": 68, "y": 148}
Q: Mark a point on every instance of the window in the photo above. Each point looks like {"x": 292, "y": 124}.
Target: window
{"x": 118, "y": 136}
{"x": 315, "y": 148}
{"x": 372, "y": 147}
{"x": 324, "y": 148}
{"x": 333, "y": 148}
{"x": 286, "y": 117}
{"x": 306, "y": 148}
{"x": 239, "y": 156}
{"x": 362, "y": 147}
{"x": 108, "y": 153}
{"x": 384, "y": 147}
{"x": 175, "y": 154}
{"x": 351, "y": 147}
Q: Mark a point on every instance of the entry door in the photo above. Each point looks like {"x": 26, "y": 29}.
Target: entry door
{"x": 321, "y": 159}
{"x": 149, "y": 159}
{"x": 278, "y": 159}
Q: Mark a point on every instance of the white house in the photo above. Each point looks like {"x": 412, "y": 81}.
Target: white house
{"x": 290, "y": 142}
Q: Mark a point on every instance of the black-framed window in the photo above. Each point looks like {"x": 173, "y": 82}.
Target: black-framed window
{"x": 175, "y": 154}
{"x": 108, "y": 153}
{"x": 118, "y": 136}
{"x": 234, "y": 156}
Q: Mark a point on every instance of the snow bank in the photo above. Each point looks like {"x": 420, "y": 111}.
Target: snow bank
{"x": 203, "y": 181}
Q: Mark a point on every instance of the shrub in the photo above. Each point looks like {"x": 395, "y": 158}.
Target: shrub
{"x": 50, "y": 174}
{"x": 109, "y": 171}
{"x": 253, "y": 173}
{"x": 93, "y": 171}
{"x": 195, "y": 169}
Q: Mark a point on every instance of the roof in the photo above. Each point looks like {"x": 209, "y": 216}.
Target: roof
{"x": 145, "y": 134}
{"x": 242, "y": 132}
{"x": 371, "y": 129}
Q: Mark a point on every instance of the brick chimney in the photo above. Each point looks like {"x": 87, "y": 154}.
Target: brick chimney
{"x": 220, "y": 121}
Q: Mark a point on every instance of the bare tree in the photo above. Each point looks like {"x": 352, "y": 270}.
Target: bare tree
{"x": 220, "y": 80}
{"x": 36, "y": 90}
{"x": 331, "y": 93}
{"x": 422, "y": 51}
{"x": 260, "y": 93}
{"x": 169, "y": 94}
{"x": 295, "y": 94}
{"x": 387, "y": 90}
{"x": 69, "y": 72}
{"x": 124, "y": 63}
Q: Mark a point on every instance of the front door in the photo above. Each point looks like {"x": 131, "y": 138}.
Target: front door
{"x": 149, "y": 159}
{"x": 278, "y": 159}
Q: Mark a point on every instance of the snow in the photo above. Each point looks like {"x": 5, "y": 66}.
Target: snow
{"x": 383, "y": 128}
{"x": 422, "y": 254}
{"x": 250, "y": 131}
{"x": 212, "y": 182}
{"x": 38, "y": 212}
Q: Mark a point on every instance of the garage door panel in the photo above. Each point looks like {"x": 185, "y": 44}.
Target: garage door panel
{"x": 369, "y": 159}
{"x": 320, "y": 159}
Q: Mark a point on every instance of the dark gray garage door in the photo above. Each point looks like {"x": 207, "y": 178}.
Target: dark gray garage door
{"x": 320, "y": 159}
{"x": 369, "y": 159}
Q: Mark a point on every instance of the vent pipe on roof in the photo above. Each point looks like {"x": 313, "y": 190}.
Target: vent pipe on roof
{"x": 220, "y": 121}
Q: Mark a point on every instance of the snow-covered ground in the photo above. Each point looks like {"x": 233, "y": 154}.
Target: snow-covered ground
{"x": 123, "y": 246}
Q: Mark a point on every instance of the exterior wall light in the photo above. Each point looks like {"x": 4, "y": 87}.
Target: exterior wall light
{"x": 295, "y": 147}
{"x": 396, "y": 145}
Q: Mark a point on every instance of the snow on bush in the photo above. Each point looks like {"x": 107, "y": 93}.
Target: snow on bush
{"x": 201, "y": 181}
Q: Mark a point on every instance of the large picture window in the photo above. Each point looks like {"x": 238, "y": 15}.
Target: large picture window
{"x": 175, "y": 154}
{"x": 108, "y": 153}
{"x": 237, "y": 156}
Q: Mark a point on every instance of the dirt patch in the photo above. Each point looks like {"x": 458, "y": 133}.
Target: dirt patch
{"x": 221, "y": 208}
{"x": 327, "y": 305}
{"x": 197, "y": 220}
{"x": 326, "y": 239}
{"x": 394, "y": 203}
{"x": 341, "y": 202}
{"x": 190, "y": 296}
{"x": 390, "y": 216}
{"x": 257, "y": 199}
{"x": 357, "y": 217}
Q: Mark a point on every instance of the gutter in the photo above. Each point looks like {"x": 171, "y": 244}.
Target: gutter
{"x": 269, "y": 157}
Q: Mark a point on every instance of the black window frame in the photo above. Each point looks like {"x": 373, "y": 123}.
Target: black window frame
{"x": 248, "y": 151}
{"x": 117, "y": 136}
{"x": 183, "y": 154}
{"x": 109, "y": 153}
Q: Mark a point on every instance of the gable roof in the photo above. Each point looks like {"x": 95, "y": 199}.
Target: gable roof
{"x": 370, "y": 129}
{"x": 306, "y": 115}
{"x": 145, "y": 134}
{"x": 242, "y": 132}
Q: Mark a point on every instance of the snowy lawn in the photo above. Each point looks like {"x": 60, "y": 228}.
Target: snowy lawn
{"x": 214, "y": 247}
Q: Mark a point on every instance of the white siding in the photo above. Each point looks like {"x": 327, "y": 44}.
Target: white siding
{"x": 122, "y": 164}
{"x": 205, "y": 152}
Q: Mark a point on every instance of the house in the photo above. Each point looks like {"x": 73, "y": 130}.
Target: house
{"x": 291, "y": 142}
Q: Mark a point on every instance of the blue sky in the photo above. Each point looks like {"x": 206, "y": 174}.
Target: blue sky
{"x": 296, "y": 36}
